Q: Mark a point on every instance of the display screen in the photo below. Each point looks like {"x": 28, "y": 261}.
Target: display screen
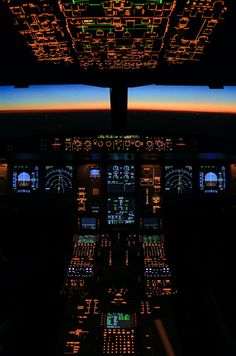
{"x": 25, "y": 178}
{"x": 89, "y": 223}
{"x": 151, "y": 238}
{"x": 178, "y": 179}
{"x": 120, "y": 210}
{"x": 94, "y": 173}
{"x": 151, "y": 223}
{"x": 120, "y": 178}
{"x": 118, "y": 321}
{"x": 88, "y": 239}
{"x": 58, "y": 180}
{"x": 150, "y": 175}
{"x": 212, "y": 178}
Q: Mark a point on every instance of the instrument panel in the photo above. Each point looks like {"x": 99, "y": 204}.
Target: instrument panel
{"x": 118, "y": 275}
{"x": 119, "y": 181}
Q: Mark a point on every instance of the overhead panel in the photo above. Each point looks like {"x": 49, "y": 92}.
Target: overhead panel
{"x": 43, "y": 30}
{"x": 192, "y": 29}
{"x": 117, "y": 34}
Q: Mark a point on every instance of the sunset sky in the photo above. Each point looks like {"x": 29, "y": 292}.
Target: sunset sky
{"x": 182, "y": 98}
{"x": 54, "y": 97}
{"x": 149, "y": 97}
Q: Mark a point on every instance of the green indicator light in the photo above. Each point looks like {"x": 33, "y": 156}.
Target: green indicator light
{"x": 75, "y": 2}
{"x": 161, "y": 2}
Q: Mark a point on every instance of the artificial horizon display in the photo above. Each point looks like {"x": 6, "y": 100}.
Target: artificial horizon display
{"x": 25, "y": 178}
{"x": 212, "y": 178}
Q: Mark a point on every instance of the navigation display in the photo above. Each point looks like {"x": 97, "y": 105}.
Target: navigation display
{"x": 59, "y": 180}
{"x": 118, "y": 321}
{"x": 120, "y": 178}
{"x": 178, "y": 179}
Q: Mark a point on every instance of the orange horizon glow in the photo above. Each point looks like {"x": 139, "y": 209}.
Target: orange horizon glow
{"x": 72, "y": 98}
{"x": 76, "y": 107}
{"x": 49, "y": 110}
{"x": 186, "y": 107}
{"x": 54, "y": 98}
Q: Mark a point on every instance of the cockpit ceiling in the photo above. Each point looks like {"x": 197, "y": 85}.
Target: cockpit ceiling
{"x": 118, "y": 34}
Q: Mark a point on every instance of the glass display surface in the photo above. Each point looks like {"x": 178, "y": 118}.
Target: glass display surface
{"x": 151, "y": 223}
{"x": 151, "y": 238}
{"x": 118, "y": 321}
{"x": 94, "y": 173}
{"x": 178, "y": 179}
{"x": 58, "y": 180}
{"x": 25, "y": 178}
{"x": 212, "y": 178}
{"x": 120, "y": 210}
{"x": 89, "y": 223}
{"x": 86, "y": 239}
{"x": 120, "y": 178}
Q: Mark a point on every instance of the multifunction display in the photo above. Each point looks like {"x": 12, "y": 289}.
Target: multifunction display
{"x": 120, "y": 178}
{"x": 118, "y": 320}
{"x": 120, "y": 210}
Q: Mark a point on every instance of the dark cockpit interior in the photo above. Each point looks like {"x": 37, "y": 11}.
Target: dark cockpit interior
{"x": 117, "y": 177}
